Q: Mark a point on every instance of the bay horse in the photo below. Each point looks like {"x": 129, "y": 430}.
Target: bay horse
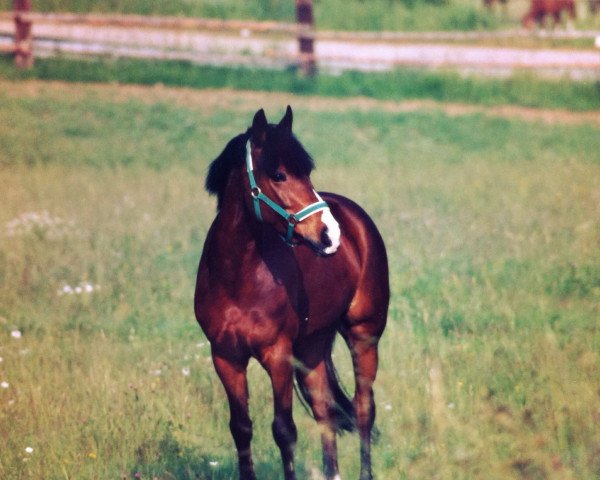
{"x": 284, "y": 269}
{"x": 539, "y": 9}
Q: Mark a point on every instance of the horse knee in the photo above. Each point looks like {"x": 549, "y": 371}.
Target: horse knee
{"x": 241, "y": 431}
{"x": 284, "y": 430}
{"x": 364, "y": 406}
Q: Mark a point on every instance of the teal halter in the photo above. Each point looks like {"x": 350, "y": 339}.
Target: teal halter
{"x": 292, "y": 219}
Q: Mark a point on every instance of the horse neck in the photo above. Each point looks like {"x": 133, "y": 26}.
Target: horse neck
{"x": 238, "y": 231}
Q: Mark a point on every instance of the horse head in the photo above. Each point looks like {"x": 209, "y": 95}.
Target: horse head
{"x": 280, "y": 190}
{"x": 270, "y": 169}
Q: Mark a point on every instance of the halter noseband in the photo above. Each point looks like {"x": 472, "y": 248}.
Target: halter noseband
{"x": 292, "y": 219}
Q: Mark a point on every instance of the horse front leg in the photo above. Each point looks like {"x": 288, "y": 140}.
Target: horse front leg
{"x": 278, "y": 362}
{"x": 233, "y": 377}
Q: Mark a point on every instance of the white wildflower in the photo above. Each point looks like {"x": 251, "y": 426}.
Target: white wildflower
{"x": 213, "y": 463}
{"x": 4, "y": 384}
{"x": 28, "y": 222}
{"x": 185, "y": 371}
{"x": 29, "y": 450}
{"x": 82, "y": 287}
{"x": 15, "y": 334}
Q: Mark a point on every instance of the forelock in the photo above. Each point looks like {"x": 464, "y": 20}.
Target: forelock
{"x": 282, "y": 148}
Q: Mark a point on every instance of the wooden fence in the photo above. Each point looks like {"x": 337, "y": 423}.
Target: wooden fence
{"x": 24, "y": 19}
{"x": 286, "y": 43}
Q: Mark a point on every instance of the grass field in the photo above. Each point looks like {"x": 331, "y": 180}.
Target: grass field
{"x": 489, "y": 365}
{"x": 403, "y": 15}
{"x": 400, "y": 84}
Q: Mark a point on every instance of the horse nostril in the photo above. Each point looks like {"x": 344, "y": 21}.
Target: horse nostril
{"x": 325, "y": 240}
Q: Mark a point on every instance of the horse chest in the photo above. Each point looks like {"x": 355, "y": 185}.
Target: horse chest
{"x": 241, "y": 316}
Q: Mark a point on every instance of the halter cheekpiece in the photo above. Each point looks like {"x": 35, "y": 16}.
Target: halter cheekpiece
{"x": 292, "y": 219}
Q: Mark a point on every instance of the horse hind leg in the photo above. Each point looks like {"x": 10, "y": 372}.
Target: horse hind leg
{"x": 363, "y": 345}
{"x": 320, "y": 398}
{"x": 315, "y": 382}
{"x": 233, "y": 377}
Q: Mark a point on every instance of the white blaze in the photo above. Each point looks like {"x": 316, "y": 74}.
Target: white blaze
{"x": 333, "y": 228}
{"x": 333, "y": 231}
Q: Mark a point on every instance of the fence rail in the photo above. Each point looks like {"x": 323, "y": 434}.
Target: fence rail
{"x": 275, "y": 44}
{"x": 291, "y": 29}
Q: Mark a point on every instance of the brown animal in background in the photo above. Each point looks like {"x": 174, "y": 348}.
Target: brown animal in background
{"x": 539, "y": 9}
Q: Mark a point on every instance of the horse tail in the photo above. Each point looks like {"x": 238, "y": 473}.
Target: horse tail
{"x": 343, "y": 413}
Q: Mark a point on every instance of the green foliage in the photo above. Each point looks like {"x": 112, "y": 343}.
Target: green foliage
{"x": 282, "y": 10}
{"x": 489, "y": 361}
{"x": 395, "y": 85}
{"x": 329, "y": 14}
{"x": 375, "y": 15}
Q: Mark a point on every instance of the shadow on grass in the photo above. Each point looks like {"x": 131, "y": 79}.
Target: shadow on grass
{"x": 174, "y": 461}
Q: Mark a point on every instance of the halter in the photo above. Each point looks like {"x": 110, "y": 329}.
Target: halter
{"x": 292, "y": 219}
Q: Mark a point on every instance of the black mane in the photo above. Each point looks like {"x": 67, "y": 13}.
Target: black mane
{"x": 279, "y": 148}
{"x": 218, "y": 172}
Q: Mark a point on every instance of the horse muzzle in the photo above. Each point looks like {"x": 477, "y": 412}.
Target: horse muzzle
{"x": 322, "y": 234}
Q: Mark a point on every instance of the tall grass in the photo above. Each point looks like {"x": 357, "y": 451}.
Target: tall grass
{"x": 399, "y": 15}
{"x": 330, "y": 14}
{"x": 489, "y": 362}
{"x": 395, "y": 85}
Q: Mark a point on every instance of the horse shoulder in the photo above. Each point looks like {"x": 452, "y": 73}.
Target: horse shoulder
{"x": 370, "y": 301}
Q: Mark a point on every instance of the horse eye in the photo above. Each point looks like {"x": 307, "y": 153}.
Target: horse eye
{"x": 279, "y": 177}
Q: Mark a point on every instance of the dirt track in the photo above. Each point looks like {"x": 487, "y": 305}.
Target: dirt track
{"x": 217, "y": 99}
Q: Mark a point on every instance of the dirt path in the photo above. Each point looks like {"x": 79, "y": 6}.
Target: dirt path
{"x": 215, "y": 99}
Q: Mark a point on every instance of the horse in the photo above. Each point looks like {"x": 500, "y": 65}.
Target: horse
{"x": 539, "y": 9}
{"x": 283, "y": 270}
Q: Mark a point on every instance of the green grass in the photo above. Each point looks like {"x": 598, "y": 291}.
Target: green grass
{"x": 397, "y": 85}
{"x": 489, "y": 362}
{"x": 399, "y": 15}
{"x": 358, "y": 15}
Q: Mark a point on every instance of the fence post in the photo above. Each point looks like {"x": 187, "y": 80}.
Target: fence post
{"x": 23, "y": 35}
{"x": 305, "y": 18}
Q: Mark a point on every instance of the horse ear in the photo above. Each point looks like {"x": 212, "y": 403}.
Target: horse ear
{"x": 286, "y": 121}
{"x": 259, "y": 127}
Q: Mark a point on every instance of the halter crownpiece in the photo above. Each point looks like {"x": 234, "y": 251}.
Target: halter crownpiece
{"x": 292, "y": 219}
